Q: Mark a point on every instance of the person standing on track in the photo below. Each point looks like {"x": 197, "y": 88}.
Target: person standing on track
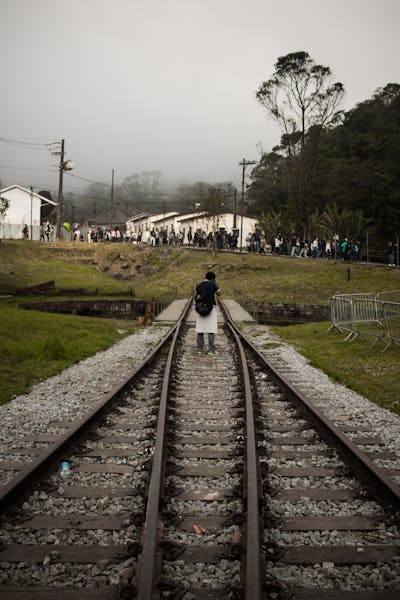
{"x": 207, "y": 289}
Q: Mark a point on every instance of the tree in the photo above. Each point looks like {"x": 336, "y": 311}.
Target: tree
{"x": 301, "y": 95}
{"x": 271, "y": 223}
{"x": 303, "y": 99}
{"x": 358, "y": 164}
{"x": 267, "y": 190}
{"x": 49, "y": 211}
{"x": 191, "y": 196}
{"x": 140, "y": 190}
{"x": 4, "y": 206}
{"x": 213, "y": 205}
{"x": 214, "y": 199}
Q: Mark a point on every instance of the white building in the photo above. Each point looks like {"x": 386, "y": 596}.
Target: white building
{"x": 25, "y": 209}
{"x": 201, "y": 222}
{"x": 194, "y": 222}
{"x": 144, "y": 223}
{"x": 138, "y": 224}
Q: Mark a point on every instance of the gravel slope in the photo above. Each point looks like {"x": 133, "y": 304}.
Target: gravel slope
{"x": 71, "y": 393}
{"x": 334, "y": 399}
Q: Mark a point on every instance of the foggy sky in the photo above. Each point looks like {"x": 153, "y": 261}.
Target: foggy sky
{"x": 169, "y": 85}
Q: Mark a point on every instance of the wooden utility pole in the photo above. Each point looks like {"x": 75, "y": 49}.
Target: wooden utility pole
{"x": 234, "y": 208}
{"x": 64, "y": 166}
{"x": 244, "y": 163}
{"x": 60, "y": 192}
{"x": 111, "y": 198}
{"x": 31, "y": 228}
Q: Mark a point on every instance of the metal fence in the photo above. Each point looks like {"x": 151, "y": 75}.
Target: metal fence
{"x": 364, "y": 316}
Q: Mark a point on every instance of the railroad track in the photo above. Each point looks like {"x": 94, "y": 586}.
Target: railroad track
{"x": 202, "y": 477}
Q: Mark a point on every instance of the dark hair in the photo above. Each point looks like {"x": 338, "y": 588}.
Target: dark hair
{"x": 210, "y": 275}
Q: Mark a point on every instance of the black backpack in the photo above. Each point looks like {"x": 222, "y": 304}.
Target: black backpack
{"x": 201, "y": 306}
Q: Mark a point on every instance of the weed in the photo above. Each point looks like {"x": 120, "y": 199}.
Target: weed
{"x": 54, "y": 349}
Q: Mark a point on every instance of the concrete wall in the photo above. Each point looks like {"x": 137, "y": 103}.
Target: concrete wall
{"x": 288, "y": 314}
{"x": 263, "y": 312}
{"x": 112, "y": 309}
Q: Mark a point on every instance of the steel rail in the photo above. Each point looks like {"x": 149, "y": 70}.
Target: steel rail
{"x": 20, "y": 485}
{"x": 253, "y": 581}
{"x": 384, "y": 489}
{"x": 147, "y": 579}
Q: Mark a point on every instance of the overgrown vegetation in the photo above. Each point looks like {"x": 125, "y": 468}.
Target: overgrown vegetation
{"x": 365, "y": 370}
{"x": 36, "y": 345}
{"x": 333, "y": 172}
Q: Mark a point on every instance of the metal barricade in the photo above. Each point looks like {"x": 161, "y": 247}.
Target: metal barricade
{"x": 367, "y": 316}
{"x": 342, "y": 311}
{"x": 391, "y": 312}
{"x": 368, "y": 319}
{"x": 341, "y": 314}
{"x": 392, "y": 296}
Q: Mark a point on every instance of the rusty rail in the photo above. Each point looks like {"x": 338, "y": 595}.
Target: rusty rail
{"x": 384, "y": 489}
{"x": 253, "y": 580}
{"x": 147, "y": 567}
{"x": 20, "y": 485}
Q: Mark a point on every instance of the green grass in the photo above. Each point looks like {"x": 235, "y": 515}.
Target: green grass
{"x": 267, "y": 278}
{"x": 36, "y": 345}
{"x": 71, "y": 266}
{"x": 368, "y": 371}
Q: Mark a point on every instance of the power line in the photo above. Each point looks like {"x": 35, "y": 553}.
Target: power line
{"x": 27, "y": 169}
{"x": 28, "y": 145}
{"x": 235, "y": 175}
{"x": 89, "y": 180}
{"x": 122, "y": 188}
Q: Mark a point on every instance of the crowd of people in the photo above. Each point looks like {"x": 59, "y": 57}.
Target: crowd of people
{"x": 348, "y": 250}
{"x": 46, "y": 232}
{"x": 221, "y": 240}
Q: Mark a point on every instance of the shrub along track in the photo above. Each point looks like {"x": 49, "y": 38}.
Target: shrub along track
{"x": 217, "y": 480}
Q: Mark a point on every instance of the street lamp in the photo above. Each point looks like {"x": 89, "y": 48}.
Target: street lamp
{"x": 67, "y": 165}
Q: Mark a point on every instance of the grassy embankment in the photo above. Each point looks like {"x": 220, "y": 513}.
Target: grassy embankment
{"x": 35, "y": 345}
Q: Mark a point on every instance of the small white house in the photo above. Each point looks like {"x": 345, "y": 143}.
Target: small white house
{"x": 25, "y": 209}
{"x": 194, "y": 222}
{"x": 137, "y": 224}
{"x": 201, "y": 222}
{"x": 144, "y": 223}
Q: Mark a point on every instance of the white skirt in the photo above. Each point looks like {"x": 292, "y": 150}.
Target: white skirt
{"x": 208, "y": 324}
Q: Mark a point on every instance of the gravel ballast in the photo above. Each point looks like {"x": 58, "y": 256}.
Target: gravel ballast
{"x": 67, "y": 396}
{"x": 71, "y": 393}
{"x": 335, "y": 400}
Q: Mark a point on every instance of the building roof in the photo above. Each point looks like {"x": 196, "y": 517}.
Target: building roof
{"x": 163, "y": 217}
{"x": 191, "y": 216}
{"x": 139, "y": 217}
{"x": 26, "y": 191}
{"x": 203, "y": 214}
